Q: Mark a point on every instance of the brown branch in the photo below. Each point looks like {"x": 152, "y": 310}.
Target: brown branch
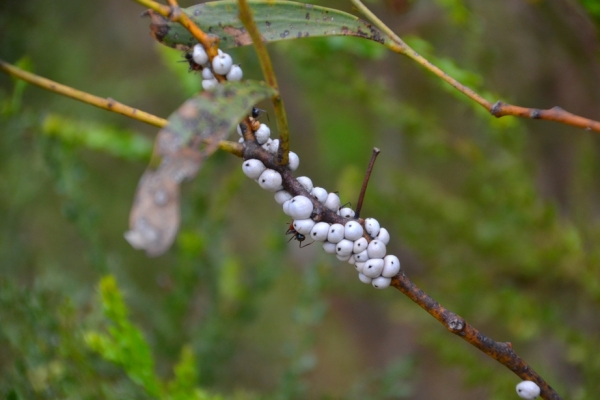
{"x": 363, "y": 189}
{"x": 245, "y": 14}
{"x": 499, "y": 109}
{"x": 174, "y": 13}
{"x": 501, "y": 352}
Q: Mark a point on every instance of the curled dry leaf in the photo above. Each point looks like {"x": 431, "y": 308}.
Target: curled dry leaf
{"x": 276, "y": 20}
{"x": 192, "y": 134}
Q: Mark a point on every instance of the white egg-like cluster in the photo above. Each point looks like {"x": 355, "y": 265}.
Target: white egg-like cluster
{"x": 528, "y": 390}
{"x": 222, "y": 64}
{"x": 363, "y": 245}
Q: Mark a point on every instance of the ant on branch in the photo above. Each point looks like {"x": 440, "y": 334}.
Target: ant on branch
{"x": 256, "y": 112}
{"x": 298, "y": 236}
{"x": 189, "y": 58}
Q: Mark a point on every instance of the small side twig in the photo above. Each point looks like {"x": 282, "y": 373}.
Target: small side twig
{"x": 106, "y": 104}
{"x": 269, "y": 74}
{"x": 363, "y": 189}
{"x": 501, "y": 352}
{"x": 499, "y": 109}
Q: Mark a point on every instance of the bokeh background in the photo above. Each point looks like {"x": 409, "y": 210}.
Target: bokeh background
{"x": 498, "y": 219}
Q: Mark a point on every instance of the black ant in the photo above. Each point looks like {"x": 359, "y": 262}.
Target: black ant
{"x": 298, "y": 236}
{"x": 190, "y": 60}
{"x": 256, "y": 113}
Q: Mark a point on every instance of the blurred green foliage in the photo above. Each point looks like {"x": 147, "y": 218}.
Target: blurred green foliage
{"x": 495, "y": 218}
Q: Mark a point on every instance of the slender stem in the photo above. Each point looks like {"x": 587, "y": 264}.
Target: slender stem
{"x": 363, "y": 190}
{"x": 501, "y": 352}
{"x": 499, "y": 109}
{"x": 106, "y": 104}
{"x": 269, "y": 74}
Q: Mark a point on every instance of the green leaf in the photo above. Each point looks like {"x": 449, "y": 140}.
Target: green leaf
{"x": 208, "y": 118}
{"x": 276, "y": 20}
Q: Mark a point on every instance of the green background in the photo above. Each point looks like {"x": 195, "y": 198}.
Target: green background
{"x": 497, "y": 219}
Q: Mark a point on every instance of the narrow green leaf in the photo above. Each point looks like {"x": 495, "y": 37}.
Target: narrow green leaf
{"x": 206, "y": 118}
{"x": 276, "y": 20}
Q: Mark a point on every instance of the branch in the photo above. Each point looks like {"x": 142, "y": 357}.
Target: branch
{"x": 174, "y": 13}
{"x": 269, "y": 74}
{"x": 106, "y": 104}
{"x": 499, "y": 109}
{"x": 501, "y": 352}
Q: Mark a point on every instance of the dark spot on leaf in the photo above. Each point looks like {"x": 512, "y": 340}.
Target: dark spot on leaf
{"x": 307, "y": 15}
{"x": 197, "y": 12}
{"x": 299, "y": 35}
{"x": 268, "y": 24}
{"x": 306, "y": 34}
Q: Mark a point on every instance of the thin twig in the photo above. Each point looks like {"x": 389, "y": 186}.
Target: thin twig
{"x": 245, "y": 14}
{"x": 363, "y": 189}
{"x": 175, "y": 14}
{"x": 501, "y": 352}
{"x": 106, "y": 104}
{"x": 499, "y": 109}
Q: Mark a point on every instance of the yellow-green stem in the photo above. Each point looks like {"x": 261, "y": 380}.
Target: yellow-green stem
{"x": 399, "y": 46}
{"x": 106, "y": 104}
{"x": 269, "y": 74}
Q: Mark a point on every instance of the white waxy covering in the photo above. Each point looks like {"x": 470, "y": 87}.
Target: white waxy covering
{"x": 270, "y": 180}
{"x": 376, "y": 249}
{"x": 319, "y": 231}
{"x": 209, "y": 84}
{"x": 306, "y": 183}
{"x": 300, "y": 207}
{"x": 391, "y": 266}
{"x": 222, "y": 64}
{"x": 381, "y": 282}
{"x": 362, "y": 256}
{"x": 253, "y": 168}
{"x": 353, "y": 230}
{"x": 358, "y": 265}
{"x": 344, "y": 247}
{"x": 262, "y": 134}
{"x": 329, "y": 247}
{"x": 383, "y": 236}
{"x": 343, "y": 257}
{"x": 347, "y": 212}
{"x": 199, "y": 55}
{"x": 235, "y": 73}
{"x": 372, "y": 226}
{"x": 304, "y": 226}
{"x": 319, "y": 193}
{"x": 336, "y": 233}
{"x": 360, "y": 245}
{"x": 282, "y": 196}
{"x": 373, "y": 267}
{"x": 528, "y": 390}
{"x": 332, "y": 202}
{"x": 363, "y": 278}
{"x": 293, "y": 161}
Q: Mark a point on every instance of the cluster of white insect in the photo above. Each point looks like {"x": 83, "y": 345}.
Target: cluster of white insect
{"x": 359, "y": 242}
{"x": 528, "y": 390}
{"x": 365, "y": 250}
{"x": 222, "y": 64}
